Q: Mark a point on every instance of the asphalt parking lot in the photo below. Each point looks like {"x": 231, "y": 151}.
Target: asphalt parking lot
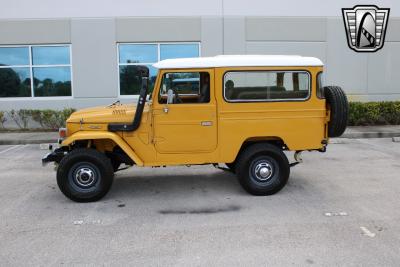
{"x": 339, "y": 208}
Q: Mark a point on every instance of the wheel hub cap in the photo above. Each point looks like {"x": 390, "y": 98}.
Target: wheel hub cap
{"x": 263, "y": 171}
{"x": 85, "y": 177}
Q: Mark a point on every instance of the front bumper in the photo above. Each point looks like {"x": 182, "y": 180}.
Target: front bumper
{"x": 55, "y": 156}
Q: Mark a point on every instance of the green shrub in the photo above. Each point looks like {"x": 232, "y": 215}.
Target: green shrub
{"x": 20, "y": 117}
{"x": 48, "y": 119}
{"x": 3, "y": 118}
{"x": 51, "y": 119}
{"x": 374, "y": 113}
{"x": 24, "y": 115}
{"x": 37, "y": 116}
{"x": 65, "y": 113}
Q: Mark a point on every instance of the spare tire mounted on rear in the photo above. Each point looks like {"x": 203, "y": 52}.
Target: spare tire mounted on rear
{"x": 339, "y": 107}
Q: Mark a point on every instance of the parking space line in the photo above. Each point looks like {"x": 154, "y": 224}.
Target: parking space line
{"x": 20, "y": 148}
{"x": 10, "y": 148}
{"x": 367, "y": 232}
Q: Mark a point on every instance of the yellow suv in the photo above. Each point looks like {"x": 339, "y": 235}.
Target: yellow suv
{"x": 241, "y": 111}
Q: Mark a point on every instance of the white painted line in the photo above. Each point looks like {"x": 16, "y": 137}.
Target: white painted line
{"x": 46, "y": 146}
{"x": 81, "y": 222}
{"x": 10, "y": 148}
{"x": 338, "y": 141}
{"x": 367, "y": 232}
{"x": 21, "y": 147}
{"x": 330, "y": 214}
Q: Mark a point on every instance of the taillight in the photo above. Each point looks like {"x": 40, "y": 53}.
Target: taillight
{"x": 62, "y": 132}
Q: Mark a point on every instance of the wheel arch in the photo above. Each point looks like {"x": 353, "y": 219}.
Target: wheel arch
{"x": 86, "y": 135}
{"x": 274, "y": 140}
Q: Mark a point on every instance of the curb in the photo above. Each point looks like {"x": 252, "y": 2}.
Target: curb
{"x": 358, "y": 135}
{"x": 27, "y": 142}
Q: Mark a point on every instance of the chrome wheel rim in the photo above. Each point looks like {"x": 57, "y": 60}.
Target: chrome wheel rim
{"x": 263, "y": 171}
{"x": 85, "y": 176}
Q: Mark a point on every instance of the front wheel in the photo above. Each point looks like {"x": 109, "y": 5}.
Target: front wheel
{"x": 85, "y": 175}
{"x": 263, "y": 169}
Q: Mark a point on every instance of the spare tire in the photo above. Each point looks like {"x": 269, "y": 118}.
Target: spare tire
{"x": 339, "y": 107}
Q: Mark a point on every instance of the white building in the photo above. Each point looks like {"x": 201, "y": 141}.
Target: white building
{"x": 56, "y": 54}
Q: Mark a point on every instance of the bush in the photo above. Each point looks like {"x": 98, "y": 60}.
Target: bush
{"x": 48, "y": 119}
{"x": 51, "y": 119}
{"x": 20, "y": 117}
{"x": 3, "y": 118}
{"x": 374, "y": 113}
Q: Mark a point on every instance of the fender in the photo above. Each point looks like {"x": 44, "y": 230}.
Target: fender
{"x": 90, "y": 135}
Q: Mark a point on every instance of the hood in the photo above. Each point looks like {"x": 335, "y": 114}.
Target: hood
{"x": 123, "y": 113}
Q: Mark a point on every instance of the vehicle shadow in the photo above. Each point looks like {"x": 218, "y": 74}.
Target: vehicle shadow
{"x": 184, "y": 183}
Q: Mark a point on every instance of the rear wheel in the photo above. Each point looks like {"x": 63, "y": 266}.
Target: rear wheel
{"x": 263, "y": 169}
{"x": 85, "y": 175}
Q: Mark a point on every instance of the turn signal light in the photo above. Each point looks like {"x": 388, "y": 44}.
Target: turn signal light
{"x": 62, "y": 132}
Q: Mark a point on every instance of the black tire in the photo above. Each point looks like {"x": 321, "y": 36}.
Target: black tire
{"x": 85, "y": 175}
{"x": 231, "y": 166}
{"x": 116, "y": 164}
{"x": 262, "y": 159}
{"x": 339, "y": 107}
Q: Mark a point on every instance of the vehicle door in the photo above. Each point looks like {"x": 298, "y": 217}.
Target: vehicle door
{"x": 185, "y": 118}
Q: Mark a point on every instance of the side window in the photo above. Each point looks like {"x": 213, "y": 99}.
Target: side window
{"x": 266, "y": 86}
{"x": 320, "y": 85}
{"x": 187, "y": 87}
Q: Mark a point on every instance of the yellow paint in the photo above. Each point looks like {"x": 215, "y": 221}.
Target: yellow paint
{"x": 205, "y": 132}
{"x": 101, "y": 135}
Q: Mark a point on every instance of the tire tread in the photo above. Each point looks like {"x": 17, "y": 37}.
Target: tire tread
{"x": 93, "y": 155}
{"x": 337, "y": 100}
{"x": 261, "y": 149}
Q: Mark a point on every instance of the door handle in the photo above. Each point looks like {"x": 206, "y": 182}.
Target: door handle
{"x": 206, "y": 123}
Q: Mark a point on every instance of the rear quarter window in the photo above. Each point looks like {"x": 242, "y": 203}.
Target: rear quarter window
{"x": 250, "y": 86}
{"x": 320, "y": 85}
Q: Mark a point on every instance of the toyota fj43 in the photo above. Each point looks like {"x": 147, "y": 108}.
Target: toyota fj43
{"x": 241, "y": 111}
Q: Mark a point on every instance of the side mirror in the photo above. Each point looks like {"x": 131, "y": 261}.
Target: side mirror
{"x": 170, "y": 96}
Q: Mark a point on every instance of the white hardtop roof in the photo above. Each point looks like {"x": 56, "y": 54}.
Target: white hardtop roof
{"x": 237, "y": 61}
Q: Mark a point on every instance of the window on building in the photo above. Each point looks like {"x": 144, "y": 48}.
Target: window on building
{"x": 35, "y": 71}
{"x": 266, "y": 86}
{"x": 131, "y": 55}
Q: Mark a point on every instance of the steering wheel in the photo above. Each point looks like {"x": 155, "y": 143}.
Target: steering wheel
{"x": 177, "y": 99}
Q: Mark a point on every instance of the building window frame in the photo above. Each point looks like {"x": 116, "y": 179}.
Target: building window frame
{"x": 146, "y": 63}
{"x": 31, "y": 66}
